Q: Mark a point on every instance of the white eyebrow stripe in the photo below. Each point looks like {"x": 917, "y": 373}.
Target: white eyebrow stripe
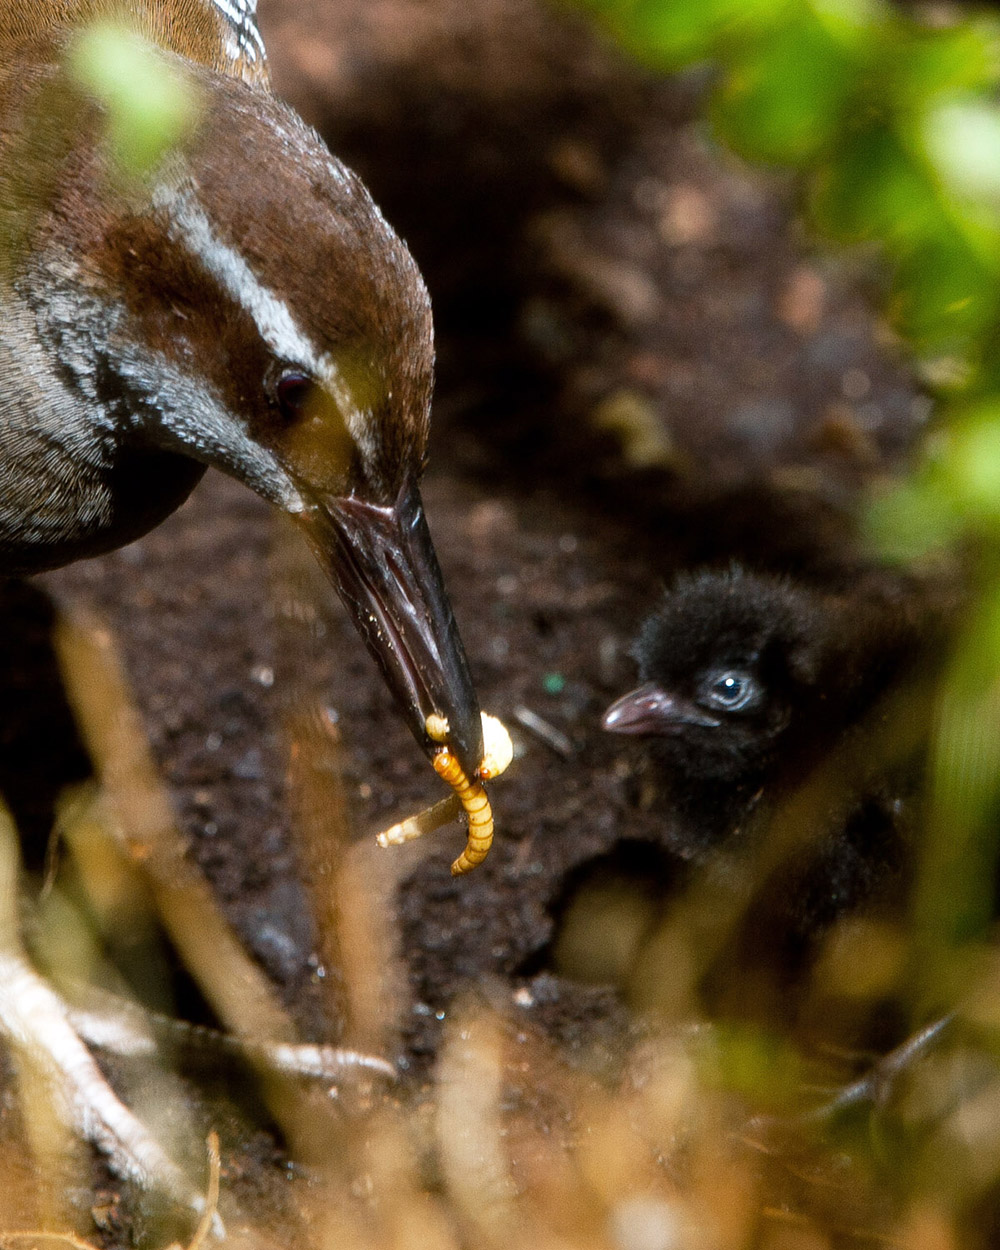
{"x": 275, "y": 324}
{"x": 189, "y": 224}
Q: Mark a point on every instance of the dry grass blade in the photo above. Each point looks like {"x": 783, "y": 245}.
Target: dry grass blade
{"x": 349, "y": 894}
{"x": 113, "y": 731}
{"x": 59, "y": 1239}
{"x": 209, "y": 1217}
{"x": 470, "y": 1129}
{"x": 236, "y": 987}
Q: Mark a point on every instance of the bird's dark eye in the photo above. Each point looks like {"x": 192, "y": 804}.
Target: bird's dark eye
{"x": 292, "y": 393}
{"x": 732, "y": 691}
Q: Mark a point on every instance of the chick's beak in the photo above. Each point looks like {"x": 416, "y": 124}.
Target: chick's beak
{"x": 651, "y": 710}
{"x": 382, "y": 562}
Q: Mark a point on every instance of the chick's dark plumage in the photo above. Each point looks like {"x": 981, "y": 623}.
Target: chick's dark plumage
{"x": 746, "y": 678}
{"x": 799, "y": 717}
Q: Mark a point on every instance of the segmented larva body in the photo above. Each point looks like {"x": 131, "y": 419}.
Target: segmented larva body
{"x": 476, "y": 806}
{"x": 469, "y": 795}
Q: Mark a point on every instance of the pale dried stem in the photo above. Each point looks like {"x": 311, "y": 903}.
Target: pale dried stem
{"x": 115, "y": 737}
{"x": 470, "y": 1129}
{"x": 237, "y": 989}
{"x": 322, "y": 826}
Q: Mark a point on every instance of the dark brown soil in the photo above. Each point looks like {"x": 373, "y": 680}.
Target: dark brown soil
{"x": 643, "y": 364}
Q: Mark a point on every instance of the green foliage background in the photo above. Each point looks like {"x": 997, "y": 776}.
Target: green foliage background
{"x": 895, "y": 129}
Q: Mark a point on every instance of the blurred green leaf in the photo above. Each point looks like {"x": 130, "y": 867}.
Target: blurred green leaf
{"x": 924, "y": 63}
{"x": 755, "y": 1064}
{"x": 971, "y": 464}
{"x": 908, "y": 522}
{"x": 956, "y": 891}
{"x": 962, "y": 138}
{"x": 944, "y": 296}
{"x": 150, "y": 106}
{"x": 785, "y": 95}
{"x": 893, "y": 122}
{"x": 670, "y": 35}
{"x": 956, "y": 490}
{"x": 873, "y": 188}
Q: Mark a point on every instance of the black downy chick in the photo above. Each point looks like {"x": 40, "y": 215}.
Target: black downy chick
{"x": 755, "y": 686}
{"x": 748, "y": 678}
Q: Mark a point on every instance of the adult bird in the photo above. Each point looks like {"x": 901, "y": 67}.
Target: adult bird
{"x": 241, "y": 305}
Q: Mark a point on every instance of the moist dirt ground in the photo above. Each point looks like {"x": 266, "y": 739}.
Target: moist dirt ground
{"x": 644, "y": 363}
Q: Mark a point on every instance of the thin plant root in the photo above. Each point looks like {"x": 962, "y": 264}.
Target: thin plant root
{"x": 476, "y": 805}
{"x": 208, "y": 1226}
{"x": 38, "y": 1235}
{"x": 210, "y": 1223}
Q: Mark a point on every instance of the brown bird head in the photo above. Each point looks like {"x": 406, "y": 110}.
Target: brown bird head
{"x": 249, "y": 308}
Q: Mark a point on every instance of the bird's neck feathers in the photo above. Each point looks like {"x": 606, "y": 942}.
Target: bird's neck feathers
{"x": 875, "y": 636}
{"x": 704, "y": 813}
{"x": 219, "y": 34}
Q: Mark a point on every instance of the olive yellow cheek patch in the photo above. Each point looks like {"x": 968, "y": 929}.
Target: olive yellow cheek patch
{"x": 469, "y": 793}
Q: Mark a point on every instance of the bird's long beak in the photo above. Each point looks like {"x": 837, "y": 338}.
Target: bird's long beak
{"x": 382, "y": 562}
{"x": 651, "y": 710}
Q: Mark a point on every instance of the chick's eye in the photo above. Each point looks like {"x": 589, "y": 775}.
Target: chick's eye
{"x": 732, "y": 691}
{"x": 292, "y": 392}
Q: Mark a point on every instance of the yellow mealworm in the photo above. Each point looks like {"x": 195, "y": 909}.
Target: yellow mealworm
{"x": 498, "y": 751}
{"x": 476, "y": 806}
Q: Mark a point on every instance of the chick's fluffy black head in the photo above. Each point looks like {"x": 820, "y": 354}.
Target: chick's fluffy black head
{"x": 731, "y": 661}
{"x": 747, "y": 679}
